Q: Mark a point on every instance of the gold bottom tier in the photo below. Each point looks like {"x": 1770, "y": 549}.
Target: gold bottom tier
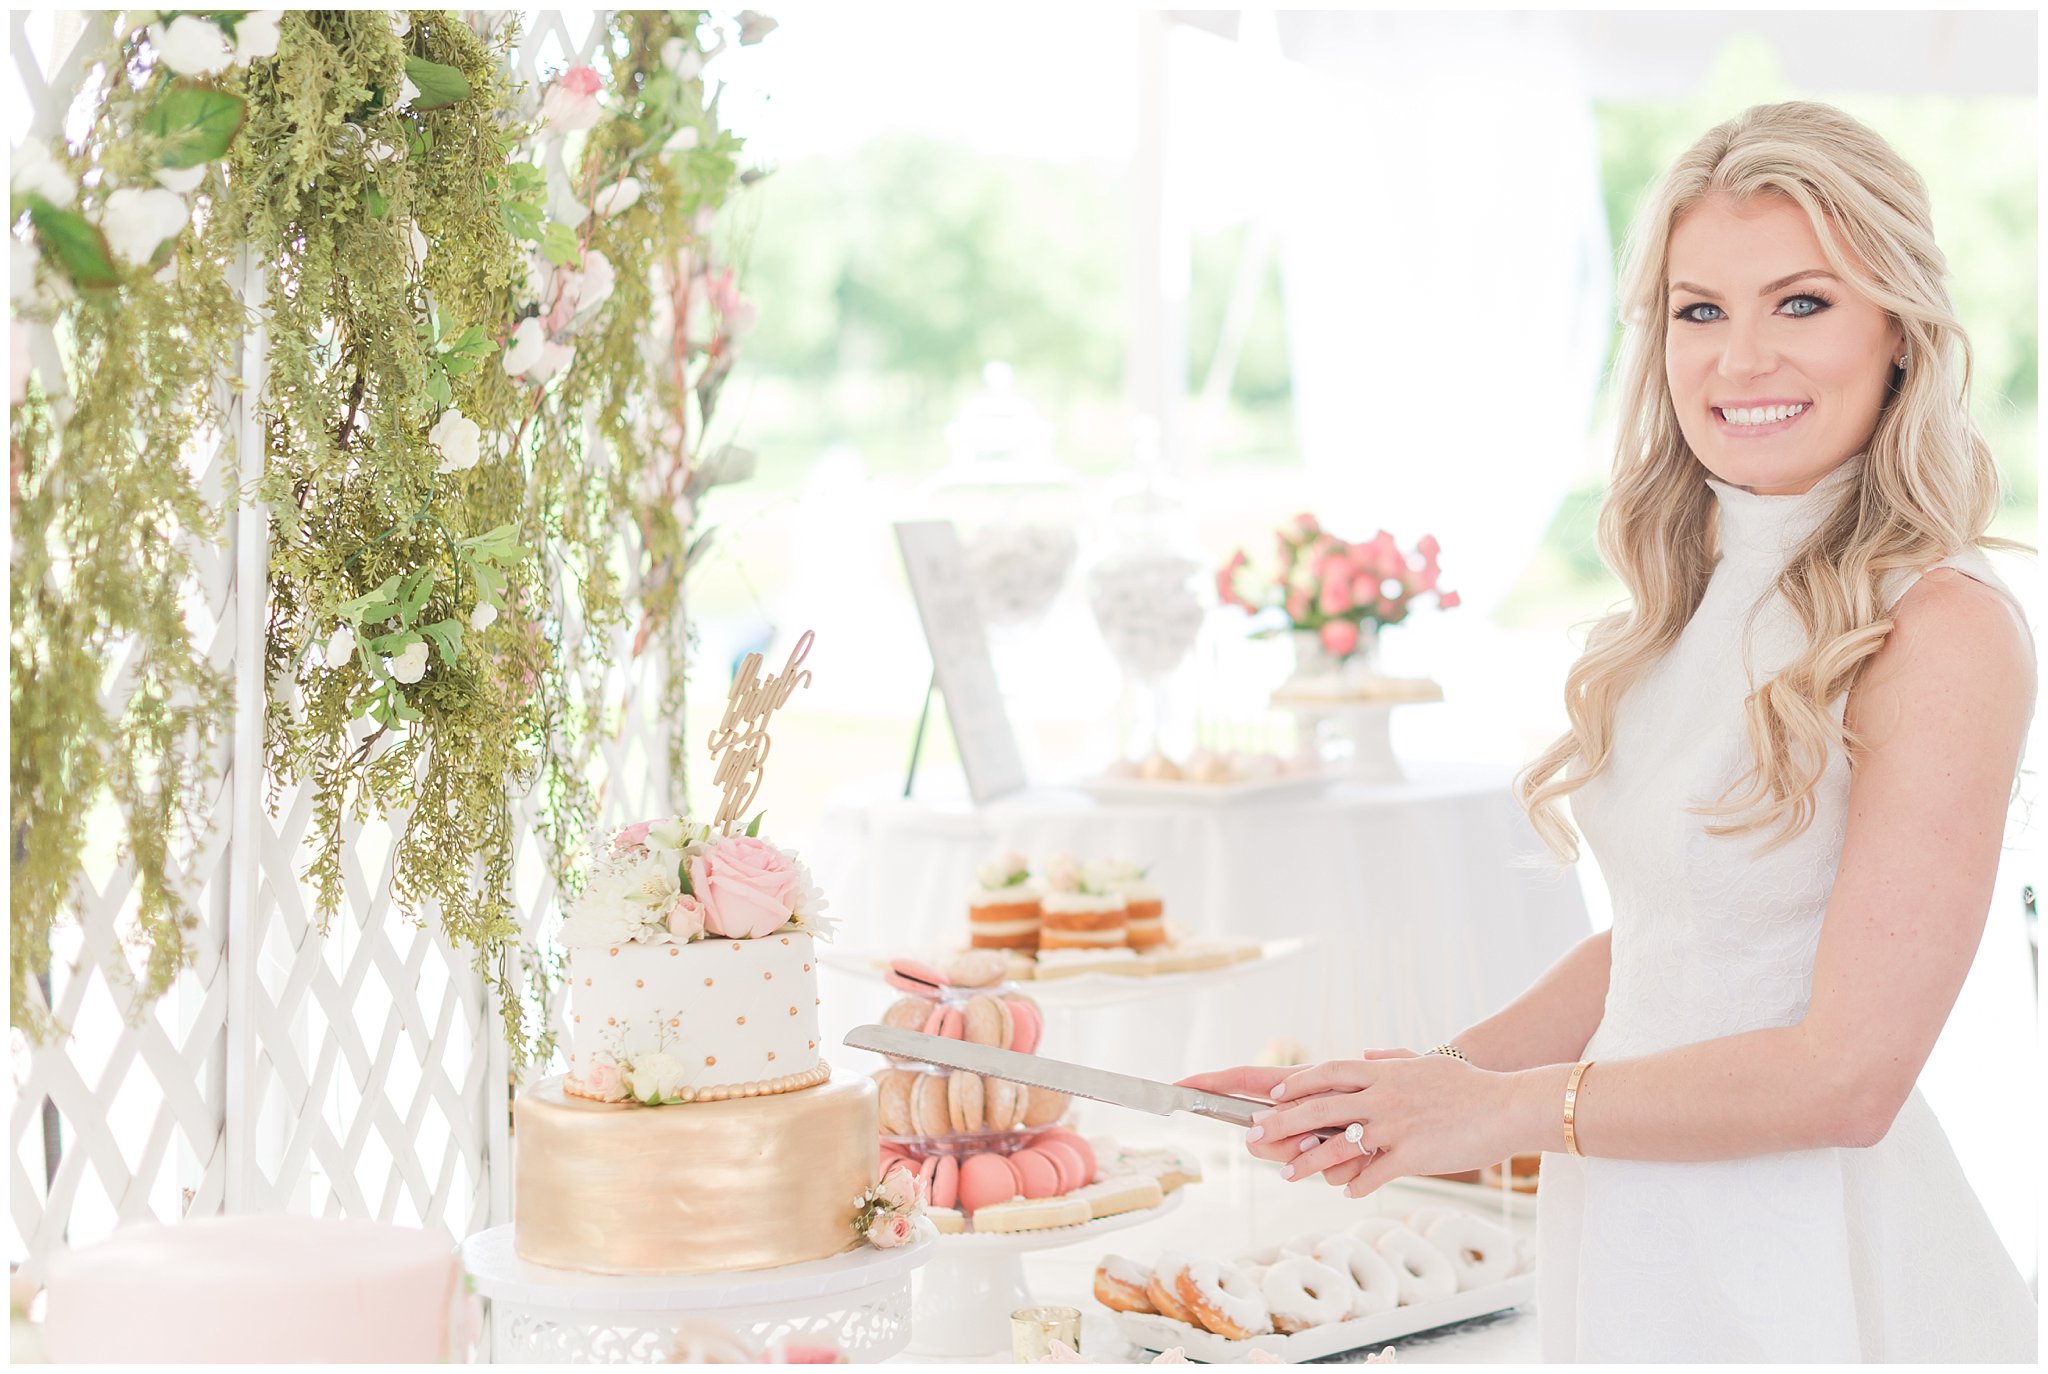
{"x": 695, "y": 1188}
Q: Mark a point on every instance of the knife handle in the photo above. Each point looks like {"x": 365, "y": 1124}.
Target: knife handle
{"x": 1237, "y": 1111}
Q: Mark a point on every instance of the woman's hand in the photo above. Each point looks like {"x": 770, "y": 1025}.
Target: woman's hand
{"x": 1427, "y": 1114}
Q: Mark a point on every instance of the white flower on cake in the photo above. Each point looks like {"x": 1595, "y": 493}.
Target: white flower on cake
{"x": 1004, "y": 870}
{"x": 656, "y": 1078}
{"x": 1061, "y": 873}
{"x": 1110, "y": 875}
{"x": 612, "y": 911}
{"x": 811, "y": 903}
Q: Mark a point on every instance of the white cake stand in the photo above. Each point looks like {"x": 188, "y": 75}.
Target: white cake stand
{"x": 858, "y": 1301}
{"x": 964, "y": 1301}
{"x": 1366, "y": 725}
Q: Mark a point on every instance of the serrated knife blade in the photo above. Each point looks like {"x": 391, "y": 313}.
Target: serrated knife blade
{"x": 1098, "y": 1085}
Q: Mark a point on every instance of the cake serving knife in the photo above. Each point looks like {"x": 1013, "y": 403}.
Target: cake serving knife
{"x": 1099, "y": 1085}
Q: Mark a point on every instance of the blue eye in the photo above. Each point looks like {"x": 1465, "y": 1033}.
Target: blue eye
{"x": 1815, "y": 305}
{"x": 1686, "y": 312}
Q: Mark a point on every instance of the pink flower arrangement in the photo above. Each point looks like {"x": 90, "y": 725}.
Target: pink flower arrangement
{"x": 747, "y": 886}
{"x": 1332, "y": 588}
{"x": 886, "y": 1215}
{"x": 571, "y": 102}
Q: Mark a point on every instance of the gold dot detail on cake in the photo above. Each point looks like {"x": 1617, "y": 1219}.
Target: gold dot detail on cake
{"x": 742, "y": 1021}
{"x": 673, "y": 953}
{"x": 771, "y": 1054}
{"x": 675, "y": 1020}
{"x": 767, "y": 974}
{"x": 707, "y": 982}
{"x": 735, "y": 944}
{"x": 611, "y": 1020}
{"x": 615, "y": 952}
{"x": 792, "y": 1011}
{"x": 785, "y": 939}
{"x": 709, "y": 1060}
{"x": 639, "y": 982}
{"x": 586, "y": 982}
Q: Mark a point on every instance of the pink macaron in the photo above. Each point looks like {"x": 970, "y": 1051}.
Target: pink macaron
{"x": 986, "y": 1179}
{"x": 918, "y": 979}
{"x": 1037, "y": 1175}
{"x": 935, "y": 1020}
{"x": 942, "y": 1189}
{"x": 1067, "y": 1160}
{"x": 954, "y": 1026}
{"x": 1074, "y": 1142}
{"x": 1026, "y": 1026}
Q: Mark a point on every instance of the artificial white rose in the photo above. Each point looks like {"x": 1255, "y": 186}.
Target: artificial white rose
{"x": 401, "y": 23}
{"x": 616, "y": 198}
{"x": 598, "y": 279}
{"x": 407, "y": 92}
{"x": 525, "y": 348}
{"x": 256, "y": 34}
{"x": 656, "y": 1077}
{"x": 341, "y": 646}
{"x": 136, "y": 220}
{"x": 754, "y": 26}
{"x": 410, "y": 666}
{"x": 191, "y": 46}
{"x": 183, "y": 180}
{"x": 600, "y": 915}
{"x": 33, "y": 171}
{"x": 458, "y": 439}
{"x": 483, "y": 616}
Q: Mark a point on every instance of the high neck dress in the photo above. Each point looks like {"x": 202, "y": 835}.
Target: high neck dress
{"x": 1835, "y": 1255}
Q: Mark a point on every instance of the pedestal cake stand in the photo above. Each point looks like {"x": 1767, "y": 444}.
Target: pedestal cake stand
{"x": 858, "y": 1301}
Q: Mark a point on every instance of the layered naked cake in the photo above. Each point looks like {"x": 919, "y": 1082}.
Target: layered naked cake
{"x": 699, "y": 1128}
{"x": 1144, "y": 907}
{"x": 1003, "y": 911}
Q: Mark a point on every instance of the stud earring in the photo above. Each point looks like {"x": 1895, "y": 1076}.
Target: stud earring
{"x": 1903, "y": 357}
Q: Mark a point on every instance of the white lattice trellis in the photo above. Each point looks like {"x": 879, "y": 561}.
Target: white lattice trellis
{"x": 362, "y": 1073}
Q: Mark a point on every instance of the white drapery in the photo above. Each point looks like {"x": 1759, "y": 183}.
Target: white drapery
{"x": 1446, "y": 265}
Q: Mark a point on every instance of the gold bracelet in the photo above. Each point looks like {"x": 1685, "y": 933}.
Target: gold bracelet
{"x": 1453, "y": 1051}
{"x": 1571, "y": 1106}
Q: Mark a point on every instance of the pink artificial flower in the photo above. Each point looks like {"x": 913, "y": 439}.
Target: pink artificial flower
{"x": 749, "y": 888}
{"x": 1426, "y": 581}
{"x": 603, "y": 1081}
{"x": 1335, "y": 598}
{"x": 722, "y": 291}
{"x": 686, "y": 917}
{"x": 571, "y": 102}
{"x": 890, "y": 1230}
{"x": 1340, "y": 637}
{"x": 901, "y": 1190}
{"x": 1364, "y": 588}
{"x": 1307, "y": 523}
{"x": 1446, "y": 600}
{"x": 1428, "y": 547}
{"x": 1297, "y": 605}
{"x": 634, "y": 837}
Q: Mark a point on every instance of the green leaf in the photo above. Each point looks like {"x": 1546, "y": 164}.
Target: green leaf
{"x": 74, "y": 243}
{"x": 455, "y": 364}
{"x": 438, "y": 388}
{"x": 438, "y": 85}
{"x": 414, "y": 594}
{"x": 558, "y": 244}
{"x": 401, "y": 710}
{"x": 376, "y": 202}
{"x": 447, "y": 637}
{"x": 196, "y": 122}
{"x": 754, "y": 825}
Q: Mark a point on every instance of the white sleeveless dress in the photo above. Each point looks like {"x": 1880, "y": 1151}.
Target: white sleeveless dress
{"x": 1829, "y": 1255}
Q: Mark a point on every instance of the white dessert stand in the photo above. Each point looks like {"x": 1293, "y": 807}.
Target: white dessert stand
{"x": 858, "y": 1301}
{"x": 1367, "y": 725}
{"x": 964, "y": 1301}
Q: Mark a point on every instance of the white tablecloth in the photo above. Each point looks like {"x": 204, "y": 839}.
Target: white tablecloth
{"x": 1422, "y": 908}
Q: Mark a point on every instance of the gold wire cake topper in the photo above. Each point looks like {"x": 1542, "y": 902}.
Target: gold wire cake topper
{"x": 742, "y": 736}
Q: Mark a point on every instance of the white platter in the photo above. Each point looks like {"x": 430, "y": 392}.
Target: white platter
{"x": 1152, "y": 1332}
{"x": 1143, "y": 791}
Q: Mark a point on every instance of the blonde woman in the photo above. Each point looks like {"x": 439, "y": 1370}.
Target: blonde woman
{"x": 1793, "y": 755}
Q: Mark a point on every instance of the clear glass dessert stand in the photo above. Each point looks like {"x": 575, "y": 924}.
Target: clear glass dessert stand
{"x": 858, "y": 1301}
{"x": 965, "y": 1298}
{"x": 1099, "y": 989}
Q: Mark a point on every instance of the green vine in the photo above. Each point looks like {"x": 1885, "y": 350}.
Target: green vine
{"x": 448, "y": 322}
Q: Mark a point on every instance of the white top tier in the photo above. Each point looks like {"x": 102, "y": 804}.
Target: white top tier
{"x": 732, "y": 1011}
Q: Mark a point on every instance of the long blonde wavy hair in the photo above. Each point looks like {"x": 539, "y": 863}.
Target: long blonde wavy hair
{"x": 1928, "y": 485}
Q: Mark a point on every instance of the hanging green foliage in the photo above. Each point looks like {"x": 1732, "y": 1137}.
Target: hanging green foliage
{"x": 494, "y": 337}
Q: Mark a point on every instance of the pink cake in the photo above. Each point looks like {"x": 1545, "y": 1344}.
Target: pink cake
{"x": 259, "y": 1287}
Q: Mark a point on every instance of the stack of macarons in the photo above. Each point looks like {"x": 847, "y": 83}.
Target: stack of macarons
{"x": 1051, "y": 1181}
{"x": 916, "y": 1102}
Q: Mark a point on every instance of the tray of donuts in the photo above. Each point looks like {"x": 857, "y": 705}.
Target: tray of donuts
{"x": 1321, "y": 1295}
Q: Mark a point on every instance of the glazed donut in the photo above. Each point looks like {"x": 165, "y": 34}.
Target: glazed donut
{"x": 1422, "y": 1272}
{"x": 1223, "y": 1300}
{"x": 1301, "y": 1293}
{"x": 1163, "y": 1288}
{"x": 986, "y": 1021}
{"x": 1265, "y": 1258}
{"x": 1120, "y": 1285}
{"x": 1480, "y": 1252}
{"x": 929, "y": 1105}
{"x": 1379, "y": 1288}
{"x": 893, "y": 1101}
{"x": 1372, "y": 1228}
{"x": 964, "y": 1101}
{"x": 1302, "y": 1245}
{"x": 1422, "y": 1218}
{"x": 999, "y": 1103}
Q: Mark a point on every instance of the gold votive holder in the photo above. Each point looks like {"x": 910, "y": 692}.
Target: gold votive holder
{"x": 1034, "y": 1329}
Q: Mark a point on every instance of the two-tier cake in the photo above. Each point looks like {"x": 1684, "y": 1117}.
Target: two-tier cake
{"x": 698, "y": 1128}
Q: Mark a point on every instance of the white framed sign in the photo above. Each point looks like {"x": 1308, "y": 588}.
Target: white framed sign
{"x": 966, "y": 675}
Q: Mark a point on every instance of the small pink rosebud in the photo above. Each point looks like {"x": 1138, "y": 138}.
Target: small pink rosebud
{"x": 1298, "y": 605}
{"x": 1446, "y": 600}
{"x": 1427, "y": 546}
{"x": 1335, "y": 598}
{"x": 1307, "y": 523}
{"x": 1340, "y": 637}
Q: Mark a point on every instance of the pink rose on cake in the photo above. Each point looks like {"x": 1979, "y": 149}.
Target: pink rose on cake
{"x": 603, "y": 1081}
{"x": 686, "y": 917}
{"x": 900, "y": 1191}
{"x": 749, "y": 888}
{"x": 891, "y": 1230}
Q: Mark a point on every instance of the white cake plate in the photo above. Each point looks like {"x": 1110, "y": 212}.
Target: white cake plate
{"x": 964, "y": 1301}
{"x": 858, "y": 1301}
{"x": 1369, "y": 727}
{"x": 1099, "y": 989}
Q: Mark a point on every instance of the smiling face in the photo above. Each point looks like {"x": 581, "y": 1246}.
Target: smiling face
{"x": 1776, "y": 367}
